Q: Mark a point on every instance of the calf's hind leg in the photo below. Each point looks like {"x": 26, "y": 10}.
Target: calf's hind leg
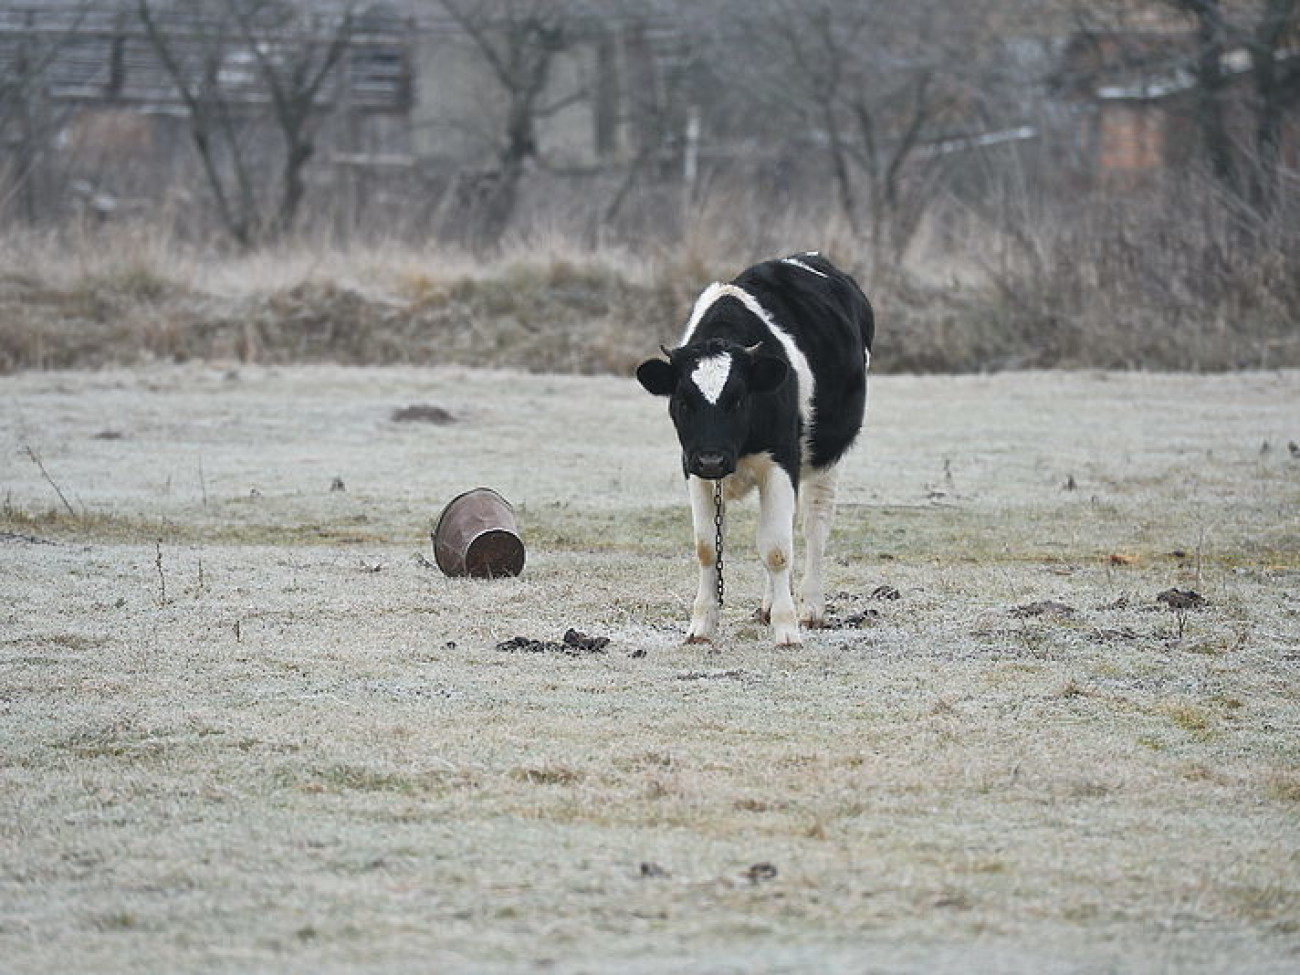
{"x": 817, "y": 505}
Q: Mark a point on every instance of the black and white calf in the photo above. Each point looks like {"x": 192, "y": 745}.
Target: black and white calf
{"x": 768, "y": 390}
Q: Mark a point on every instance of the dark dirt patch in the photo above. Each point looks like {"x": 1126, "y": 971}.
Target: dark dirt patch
{"x": 850, "y": 621}
{"x": 574, "y": 644}
{"x": 1182, "y": 599}
{"x": 845, "y": 612}
{"x": 733, "y": 673}
{"x": 1118, "y": 634}
{"x": 1044, "y": 607}
{"x": 28, "y": 539}
{"x": 423, "y": 413}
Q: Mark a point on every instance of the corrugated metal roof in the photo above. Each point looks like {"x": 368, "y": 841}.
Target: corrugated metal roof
{"x": 87, "y": 54}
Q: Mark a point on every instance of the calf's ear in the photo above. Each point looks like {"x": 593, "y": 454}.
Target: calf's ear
{"x": 657, "y": 377}
{"x": 767, "y": 373}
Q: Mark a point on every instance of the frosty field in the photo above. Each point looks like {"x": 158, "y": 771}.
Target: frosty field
{"x": 246, "y": 727}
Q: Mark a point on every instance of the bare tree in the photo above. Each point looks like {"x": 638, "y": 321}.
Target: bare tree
{"x": 874, "y": 82}
{"x": 1212, "y": 43}
{"x": 1277, "y": 89}
{"x": 235, "y": 63}
{"x": 28, "y": 122}
{"x": 1262, "y": 30}
{"x": 294, "y": 71}
{"x": 518, "y": 41}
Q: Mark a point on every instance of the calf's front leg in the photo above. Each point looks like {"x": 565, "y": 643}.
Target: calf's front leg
{"x": 777, "y": 502}
{"x": 704, "y": 612}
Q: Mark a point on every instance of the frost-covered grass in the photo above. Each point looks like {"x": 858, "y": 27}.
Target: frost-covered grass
{"x": 244, "y": 725}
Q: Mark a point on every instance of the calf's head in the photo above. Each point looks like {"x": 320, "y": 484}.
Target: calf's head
{"x": 710, "y": 388}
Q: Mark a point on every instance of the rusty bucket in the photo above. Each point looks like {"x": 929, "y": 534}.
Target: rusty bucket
{"x": 477, "y": 535}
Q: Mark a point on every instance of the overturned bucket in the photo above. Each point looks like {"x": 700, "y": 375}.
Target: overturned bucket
{"x": 477, "y": 535}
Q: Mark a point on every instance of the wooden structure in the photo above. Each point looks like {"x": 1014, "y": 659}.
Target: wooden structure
{"x": 1135, "y": 100}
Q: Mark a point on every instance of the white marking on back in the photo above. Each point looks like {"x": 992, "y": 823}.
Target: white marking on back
{"x": 798, "y": 361}
{"x": 703, "y": 303}
{"x": 710, "y": 375}
{"x": 795, "y": 262}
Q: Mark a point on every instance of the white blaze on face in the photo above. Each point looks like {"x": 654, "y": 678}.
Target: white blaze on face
{"x": 711, "y": 374}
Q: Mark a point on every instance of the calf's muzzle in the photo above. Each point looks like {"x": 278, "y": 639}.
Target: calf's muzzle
{"x": 711, "y": 464}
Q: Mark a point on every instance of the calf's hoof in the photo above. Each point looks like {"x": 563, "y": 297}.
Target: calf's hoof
{"x": 786, "y": 635}
{"x": 696, "y": 638}
{"x": 812, "y": 613}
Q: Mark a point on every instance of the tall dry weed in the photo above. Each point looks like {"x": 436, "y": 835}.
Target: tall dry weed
{"x": 1176, "y": 277}
{"x": 1172, "y": 275}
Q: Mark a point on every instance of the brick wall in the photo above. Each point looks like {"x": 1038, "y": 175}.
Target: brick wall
{"x": 1131, "y": 137}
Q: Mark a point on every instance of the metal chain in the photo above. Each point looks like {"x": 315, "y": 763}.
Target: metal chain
{"x": 717, "y": 537}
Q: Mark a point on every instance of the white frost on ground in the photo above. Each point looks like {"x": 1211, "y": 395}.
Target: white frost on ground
{"x": 243, "y": 728}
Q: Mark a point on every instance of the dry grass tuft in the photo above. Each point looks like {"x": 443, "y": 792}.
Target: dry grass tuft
{"x": 1190, "y": 717}
{"x": 1099, "y": 287}
{"x": 548, "y": 775}
{"x": 1285, "y": 786}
